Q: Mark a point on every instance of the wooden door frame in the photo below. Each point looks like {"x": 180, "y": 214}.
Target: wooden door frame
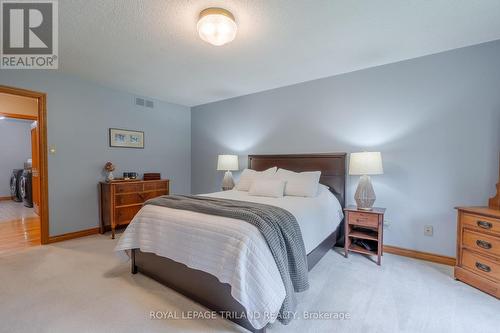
{"x": 42, "y": 152}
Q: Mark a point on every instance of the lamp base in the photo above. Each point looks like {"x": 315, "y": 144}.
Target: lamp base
{"x": 227, "y": 181}
{"x": 365, "y": 195}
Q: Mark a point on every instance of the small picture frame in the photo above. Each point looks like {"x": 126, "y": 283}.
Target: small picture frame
{"x": 123, "y": 138}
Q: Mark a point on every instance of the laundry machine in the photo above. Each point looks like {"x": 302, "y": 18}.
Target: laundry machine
{"x": 26, "y": 188}
{"x": 15, "y": 180}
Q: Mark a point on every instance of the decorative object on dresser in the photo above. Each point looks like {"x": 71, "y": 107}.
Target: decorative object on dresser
{"x": 227, "y": 163}
{"x": 129, "y": 175}
{"x": 365, "y": 164}
{"x": 122, "y": 138}
{"x": 109, "y": 168}
{"x": 494, "y": 202}
{"x": 121, "y": 200}
{"x": 151, "y": 176}
{"x": 478, "y": 248}
{"x": 364, "y": 231}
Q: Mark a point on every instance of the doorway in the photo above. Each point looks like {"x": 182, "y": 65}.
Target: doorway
{"x": 24, "y": 212}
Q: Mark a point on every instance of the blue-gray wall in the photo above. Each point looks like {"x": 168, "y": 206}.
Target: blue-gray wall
{"x": 15, "y": 149}
{"x": 79, "y": 115}
{"x": 436, "y": 120}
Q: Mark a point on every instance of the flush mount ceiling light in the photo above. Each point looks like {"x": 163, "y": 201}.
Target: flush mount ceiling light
{"x": 216, "y": 26}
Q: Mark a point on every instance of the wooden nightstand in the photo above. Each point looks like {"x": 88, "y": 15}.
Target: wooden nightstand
{"x": 364, "y": 225}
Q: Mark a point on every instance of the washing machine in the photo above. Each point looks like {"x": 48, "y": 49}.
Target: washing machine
{"x": 15, "y": 180}
{"x": 26, "y": 188}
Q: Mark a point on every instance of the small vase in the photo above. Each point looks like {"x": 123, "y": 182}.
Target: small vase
{"x": 110, "y": 176}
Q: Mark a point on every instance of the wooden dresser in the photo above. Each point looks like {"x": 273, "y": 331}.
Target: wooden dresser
{"x": 478, "y": 248}
{"x": 121, "y": 200}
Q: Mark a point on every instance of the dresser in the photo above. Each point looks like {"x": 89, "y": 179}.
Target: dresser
{"x": 478, "y": 248}
{"x": 121, "y": 200}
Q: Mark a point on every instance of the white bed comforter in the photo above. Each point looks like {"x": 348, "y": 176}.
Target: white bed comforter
{"x": 232, "y": 250}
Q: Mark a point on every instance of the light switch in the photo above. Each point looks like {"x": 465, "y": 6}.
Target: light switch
{"x": 52, "y": 150}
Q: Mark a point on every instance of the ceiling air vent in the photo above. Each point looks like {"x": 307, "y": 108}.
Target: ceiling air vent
{"x": 139, "y": 101}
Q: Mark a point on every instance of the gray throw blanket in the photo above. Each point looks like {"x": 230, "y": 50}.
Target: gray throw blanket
{"x": 278, "y": 226}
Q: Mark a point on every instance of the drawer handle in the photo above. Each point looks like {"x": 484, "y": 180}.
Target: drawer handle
{"x": 484, "y": 224}
{"x": 484, "y": 244}
{"x": 483, "y": 267}
{"x": 361, "y": 220}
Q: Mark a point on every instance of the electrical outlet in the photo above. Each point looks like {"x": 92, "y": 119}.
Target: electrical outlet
{"x": 428, "y": 230}
{"x": 387, "y": 223}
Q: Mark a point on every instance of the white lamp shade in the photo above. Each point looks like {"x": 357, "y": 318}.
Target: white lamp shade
{"x": 227, "y": 163}
{"x": 366, "y": 163}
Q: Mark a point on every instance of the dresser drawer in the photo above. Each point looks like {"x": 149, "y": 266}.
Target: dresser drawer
{"x": 481, "y": 265}
{"x": 153, "y": 186}
{"x": 129, "y": 199}
{"x": 488, "y": 286}
{"x": 478, "y": 222}
{"x": 363, "y": 219}
{"x": 481, "y": 242}
{"x": 163, "y": 186}
{"x": 124, "y": 215}
{"x": 128, "y": 188}
{"x": 136, "y": 198}
{"x": 152, "y": 194}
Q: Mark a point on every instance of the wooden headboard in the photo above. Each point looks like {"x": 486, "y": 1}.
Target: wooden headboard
{"x": 332, "y": 167}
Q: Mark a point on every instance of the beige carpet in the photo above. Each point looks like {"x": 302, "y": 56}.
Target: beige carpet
{"x": 81, "y": 286}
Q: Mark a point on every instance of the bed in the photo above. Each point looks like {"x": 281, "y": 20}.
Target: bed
{"x": 220, "y": 290}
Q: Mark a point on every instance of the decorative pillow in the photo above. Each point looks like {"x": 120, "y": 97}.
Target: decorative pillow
{"x": 300, "y": 184}
{"x": 273, "y": 188}
{"x": 248, "y": 176}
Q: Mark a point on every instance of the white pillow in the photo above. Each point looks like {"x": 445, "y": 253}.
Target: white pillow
{"x": 248, "y": 176}
{"x": 322, "y": 187}
{"x": 273, "y": 188}
{"x": 303, "y": 184}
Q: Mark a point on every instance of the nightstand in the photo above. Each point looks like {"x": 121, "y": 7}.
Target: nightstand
{"x": 364, "y": 225}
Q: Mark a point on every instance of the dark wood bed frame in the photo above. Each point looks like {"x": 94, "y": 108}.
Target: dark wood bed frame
{"x": 205, "y": 288}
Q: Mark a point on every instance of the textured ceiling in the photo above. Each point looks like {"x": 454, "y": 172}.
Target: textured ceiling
{"x": 151, "y": 47}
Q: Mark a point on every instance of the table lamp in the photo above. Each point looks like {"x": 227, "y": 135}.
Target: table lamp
{"x": 227, "y": 163}
{"x": 365, "y": 164}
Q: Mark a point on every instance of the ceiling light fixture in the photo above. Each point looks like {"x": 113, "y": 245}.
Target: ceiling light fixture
{"x": 217, "y": 26}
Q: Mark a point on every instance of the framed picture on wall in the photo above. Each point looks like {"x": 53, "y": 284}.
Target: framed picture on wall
{"x": 125, "y": 138}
